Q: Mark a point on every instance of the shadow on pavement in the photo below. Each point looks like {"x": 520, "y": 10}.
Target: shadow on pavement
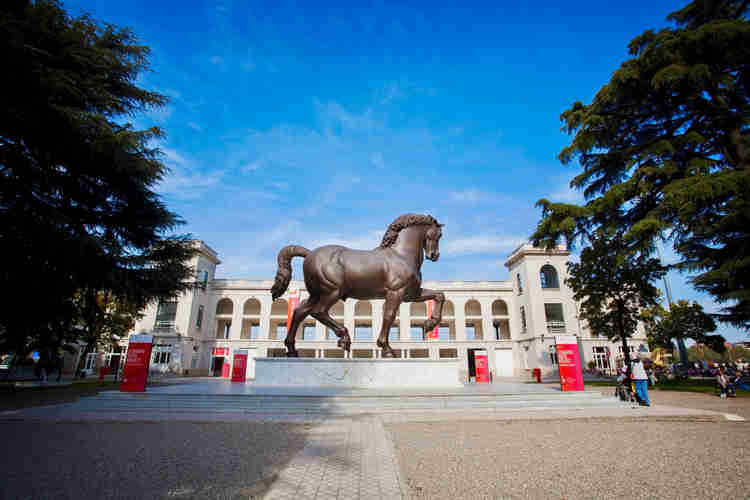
{"x": 146, "y": 460}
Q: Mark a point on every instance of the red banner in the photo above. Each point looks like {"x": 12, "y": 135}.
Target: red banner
{"x": 569, "y": 361}
{"x": 435, "y": 332}
{"x": 220, "y": 351}
{"x": 239, "y": 366}
{"x": 137, "y": 360}
{"x": 293, "y": 303}
{"x": 482, "y": 367}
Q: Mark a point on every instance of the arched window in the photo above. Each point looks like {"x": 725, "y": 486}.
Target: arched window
{"x": 499, "y": 308}
{"x": 548, "y": 276}
{"x": 251, "y": 308}
{"x": 251, "y": 319}
{"x": 224, "y": 306}
{"x": 363, "y": 308}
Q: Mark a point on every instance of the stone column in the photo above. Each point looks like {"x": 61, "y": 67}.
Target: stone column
{"x": 349, "y": 316}
{"x": 405, "y": 326}
{"x": 265, "y": 316}
{"x": 377, "y": 317}
{"x": 459, "y": 311}
{"x": 235, "y": 331}
{"x": 488, "y": 331}
{"x": 320, "y": 331}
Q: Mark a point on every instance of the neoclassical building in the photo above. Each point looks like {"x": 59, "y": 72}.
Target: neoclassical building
{"x": 514, "y": 322}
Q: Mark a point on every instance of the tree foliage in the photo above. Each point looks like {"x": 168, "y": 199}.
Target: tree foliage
{"x": 700, "y": 352}
{"x": 78, "y": 211}
{"x": 665, "y": 151}
{"x": 613, "y": 287}
{"x": 685, "y": 320}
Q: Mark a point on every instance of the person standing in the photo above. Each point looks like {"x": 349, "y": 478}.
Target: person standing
{"x": 640, "y": 380}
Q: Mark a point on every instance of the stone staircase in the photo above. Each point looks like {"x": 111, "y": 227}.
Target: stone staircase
{"x": 112, "y": 402}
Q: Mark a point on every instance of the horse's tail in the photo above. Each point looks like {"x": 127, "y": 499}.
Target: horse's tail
{"x": 284, "y": 274}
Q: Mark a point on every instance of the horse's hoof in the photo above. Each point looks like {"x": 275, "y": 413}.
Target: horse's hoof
{"x": 387, "y": 353}
{"x": 292, "y": 354}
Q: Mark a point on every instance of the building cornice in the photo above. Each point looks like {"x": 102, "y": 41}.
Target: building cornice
{"x": 528, "y": 249}
{"x": 228, "y": 285}
{"x": 206, "y": 251}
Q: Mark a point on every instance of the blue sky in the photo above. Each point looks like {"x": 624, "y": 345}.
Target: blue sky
{"x": 314, "y": 123}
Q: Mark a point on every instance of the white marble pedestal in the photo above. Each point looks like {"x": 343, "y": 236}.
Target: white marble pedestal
{"x": 356, "y": 373}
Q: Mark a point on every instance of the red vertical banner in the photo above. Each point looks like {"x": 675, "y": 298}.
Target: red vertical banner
{"x": 435, "y": 332}
{"x": 137, "y": 360}
{"x": 482, "y": 367}
{"x": 239, "y": 365}
{"x": 569, "y": 361}
{"x": 293, "y": 303}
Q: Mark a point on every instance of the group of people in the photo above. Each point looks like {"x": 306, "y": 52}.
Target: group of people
{"x": 729, "y": 379}
{"x": 49, "y": 363}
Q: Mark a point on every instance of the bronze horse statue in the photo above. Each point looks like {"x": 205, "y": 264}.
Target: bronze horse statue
{"x": 390, "y": 272}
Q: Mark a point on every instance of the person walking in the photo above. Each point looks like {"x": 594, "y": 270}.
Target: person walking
{"x": 640, "y": 380}
{"x": 725, "y": 385}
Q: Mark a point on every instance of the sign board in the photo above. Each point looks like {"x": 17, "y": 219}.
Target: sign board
{"x": 220, "y": 351}
{"x": 137, "y": 360}
{"x": 435, "y": 332}
{"x": 239, "y": 365}
{"x": 569, "y": 362}
{"x": 482, "y": 367}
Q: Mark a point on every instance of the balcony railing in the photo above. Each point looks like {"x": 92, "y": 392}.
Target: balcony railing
{"x": 555, "y": 326}
{"x": 164, "y": 327}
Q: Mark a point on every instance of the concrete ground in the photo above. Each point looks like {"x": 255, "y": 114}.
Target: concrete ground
{"x": 107, "y": 460}
{"x": 586, "y": 453}
{"x": 660, "y": 457}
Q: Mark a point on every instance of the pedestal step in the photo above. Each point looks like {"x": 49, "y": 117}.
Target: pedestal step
{"x": 345, "y": 405}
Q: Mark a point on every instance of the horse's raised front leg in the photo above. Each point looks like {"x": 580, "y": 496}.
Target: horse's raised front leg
{"x": 300, "y": 313}
{"x": 437, "y": 312}
{"x": 320, "y": 312}
{"x": 390, "y": 309}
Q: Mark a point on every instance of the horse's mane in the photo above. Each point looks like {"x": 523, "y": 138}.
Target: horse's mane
{"x": 402, "y": 222}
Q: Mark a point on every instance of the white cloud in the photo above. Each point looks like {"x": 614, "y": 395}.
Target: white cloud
{"x": 185, "y": 181}
{"x": 480, "y": 244}
{"x": 172, "y": 156}
{"x": 185, "y": 185}
{"x": 160, "y": 114}
{"x": 370, "y": 240}
{"x": 565, "y": 194}
{"x": 377, "y": 160}
{"x": 471, "y": 196}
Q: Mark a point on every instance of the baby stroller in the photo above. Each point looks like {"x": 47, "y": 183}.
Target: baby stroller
{"x": 625, "y": 389}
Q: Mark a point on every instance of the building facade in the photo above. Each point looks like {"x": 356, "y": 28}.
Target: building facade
{"x": 514, "y": 322}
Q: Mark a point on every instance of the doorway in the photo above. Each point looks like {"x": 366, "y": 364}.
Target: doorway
{"x": 472, "y": 363}
{"x": 217, "y": 366}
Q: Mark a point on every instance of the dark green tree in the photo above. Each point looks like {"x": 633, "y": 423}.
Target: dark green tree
{"x": 685, "y": 320}
{"x": 78, "y": 209}
{"x": 613, "y": 287}
{"x": 665, "y": 151}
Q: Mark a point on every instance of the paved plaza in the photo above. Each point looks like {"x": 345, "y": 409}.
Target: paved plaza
{"x": 685, "y": 446}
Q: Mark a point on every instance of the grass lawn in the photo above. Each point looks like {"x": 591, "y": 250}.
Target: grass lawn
{"x": 28, "y": 397}
{"x": 691, "y": 385}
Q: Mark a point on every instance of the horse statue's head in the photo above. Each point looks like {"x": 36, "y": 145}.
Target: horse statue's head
{"x": 432, "y": 241}
{"x": 431, "y": 233}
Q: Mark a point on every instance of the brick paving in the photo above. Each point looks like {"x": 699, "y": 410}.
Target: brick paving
{"x": 350, "y": 458}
